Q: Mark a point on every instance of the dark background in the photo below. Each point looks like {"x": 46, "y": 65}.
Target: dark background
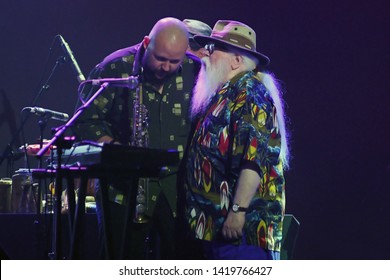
{"x": 333, "y": 58}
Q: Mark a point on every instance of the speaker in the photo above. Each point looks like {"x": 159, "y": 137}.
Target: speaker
{"x": 290, "y": 235}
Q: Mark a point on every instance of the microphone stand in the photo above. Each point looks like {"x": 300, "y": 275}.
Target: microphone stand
{"x": 8, "y": 152}
{"x": 58, "y": 141}
{"x": 42, "y": 125}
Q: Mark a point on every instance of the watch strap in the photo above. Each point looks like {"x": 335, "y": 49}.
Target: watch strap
{"x": 237, "y": 208}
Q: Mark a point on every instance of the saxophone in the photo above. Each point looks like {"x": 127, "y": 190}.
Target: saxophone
{"x": 140, "y": 138}
{"x": 140, "y": 121}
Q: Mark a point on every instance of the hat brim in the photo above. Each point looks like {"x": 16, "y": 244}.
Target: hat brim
{"x": 203, "y": 40}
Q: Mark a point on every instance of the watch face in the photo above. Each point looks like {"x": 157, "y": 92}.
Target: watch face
{"x": 235, "y": 208}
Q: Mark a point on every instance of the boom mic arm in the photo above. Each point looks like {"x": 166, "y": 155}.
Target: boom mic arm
{"x": 48, "y": 113}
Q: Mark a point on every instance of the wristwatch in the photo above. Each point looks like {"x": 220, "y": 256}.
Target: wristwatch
{"x": 237, "y": 208}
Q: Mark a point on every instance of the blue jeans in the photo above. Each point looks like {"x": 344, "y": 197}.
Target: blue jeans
{"x": 223, "y": 250}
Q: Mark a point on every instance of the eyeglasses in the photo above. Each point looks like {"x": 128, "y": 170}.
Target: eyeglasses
{"x": 212, "y": 47}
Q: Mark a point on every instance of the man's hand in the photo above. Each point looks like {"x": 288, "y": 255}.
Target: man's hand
{"x": 234, "y": 223}
{"x": 107, "y": 139}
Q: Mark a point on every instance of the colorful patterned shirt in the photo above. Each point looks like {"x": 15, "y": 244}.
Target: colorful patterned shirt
{"x": 241, "y": 111}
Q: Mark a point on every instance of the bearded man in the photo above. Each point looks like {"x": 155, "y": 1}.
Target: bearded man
{"x": 234, "y": 186}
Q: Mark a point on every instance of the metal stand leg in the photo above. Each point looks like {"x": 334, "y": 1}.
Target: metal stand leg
{"x": 79, "y": 216}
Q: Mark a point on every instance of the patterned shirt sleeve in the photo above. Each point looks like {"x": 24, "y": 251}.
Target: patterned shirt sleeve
{"x": 254, "y": 127}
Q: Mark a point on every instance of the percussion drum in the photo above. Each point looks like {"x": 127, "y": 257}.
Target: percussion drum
{"x": 24, "y": 192}
{"x": 5, "y": 195}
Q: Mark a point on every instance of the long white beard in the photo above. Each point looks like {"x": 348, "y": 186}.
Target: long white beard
{"x": 210, "y": 79}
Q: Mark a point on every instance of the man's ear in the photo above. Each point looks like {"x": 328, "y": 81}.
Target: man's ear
{"x": 146, "y": 42}
{"x": 236, "y": 61}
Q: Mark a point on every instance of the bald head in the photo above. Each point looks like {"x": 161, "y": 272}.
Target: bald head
{"x": 171, "y": 29}
{"x": 165, "y": 48}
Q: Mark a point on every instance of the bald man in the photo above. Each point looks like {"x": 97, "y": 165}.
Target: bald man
{"x": 167, "y": 76}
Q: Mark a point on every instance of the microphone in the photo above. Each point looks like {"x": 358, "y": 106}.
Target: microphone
{"x": 129, "y": 82}
{"x": 75, "y": 66}
{"x": 48, "y": 113}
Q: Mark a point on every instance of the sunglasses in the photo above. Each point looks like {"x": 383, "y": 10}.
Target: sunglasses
{"x": 212, "y": 47}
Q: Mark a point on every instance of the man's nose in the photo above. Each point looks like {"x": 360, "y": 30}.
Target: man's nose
{"x": 203, "y": 52}
{"x": 165, "y": 66}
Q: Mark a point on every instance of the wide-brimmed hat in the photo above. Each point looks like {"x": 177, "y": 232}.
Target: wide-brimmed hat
{"x": 197, "y": 27}
{"x": 234, "y": 34}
